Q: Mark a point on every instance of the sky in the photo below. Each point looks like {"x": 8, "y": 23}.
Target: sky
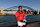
{"x": 35, "y": 4}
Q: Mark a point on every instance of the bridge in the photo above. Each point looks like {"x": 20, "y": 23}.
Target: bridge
{"x": 14, "y": 7}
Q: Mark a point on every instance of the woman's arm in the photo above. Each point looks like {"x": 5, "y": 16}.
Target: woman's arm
{"x": 17, "y": 19}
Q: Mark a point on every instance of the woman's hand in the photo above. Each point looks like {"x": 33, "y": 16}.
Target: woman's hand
{"x": 18, "y": 20}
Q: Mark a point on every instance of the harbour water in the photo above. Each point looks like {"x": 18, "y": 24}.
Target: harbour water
{"x": 6, "y": 20}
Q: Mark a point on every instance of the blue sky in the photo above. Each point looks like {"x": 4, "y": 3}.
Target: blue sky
{"x": 35, "y": 4}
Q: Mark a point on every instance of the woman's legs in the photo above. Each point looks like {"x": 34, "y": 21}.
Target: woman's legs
{"x": 24, "y": 24}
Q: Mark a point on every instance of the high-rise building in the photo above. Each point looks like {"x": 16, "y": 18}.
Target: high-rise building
{"x": 2, "y": 10}
{"x": 37, "y": 11}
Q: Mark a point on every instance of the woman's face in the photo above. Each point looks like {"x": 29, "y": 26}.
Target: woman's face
{"x": 20, "y": 8}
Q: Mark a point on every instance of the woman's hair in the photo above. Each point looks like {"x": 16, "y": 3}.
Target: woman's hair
{"x": 19, "y": 6}
{"x": 24, "y": 10}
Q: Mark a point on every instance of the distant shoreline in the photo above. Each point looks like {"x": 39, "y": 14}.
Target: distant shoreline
{"x": 12, "y": 14}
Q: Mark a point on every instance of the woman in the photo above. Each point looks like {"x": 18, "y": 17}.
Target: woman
{"x": 19, "y": 17}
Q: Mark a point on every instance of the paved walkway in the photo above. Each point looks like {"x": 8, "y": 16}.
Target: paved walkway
{"x": 34, "y": 25}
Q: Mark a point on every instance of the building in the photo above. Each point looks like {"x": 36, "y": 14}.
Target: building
{"x": 2, "y": 10}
